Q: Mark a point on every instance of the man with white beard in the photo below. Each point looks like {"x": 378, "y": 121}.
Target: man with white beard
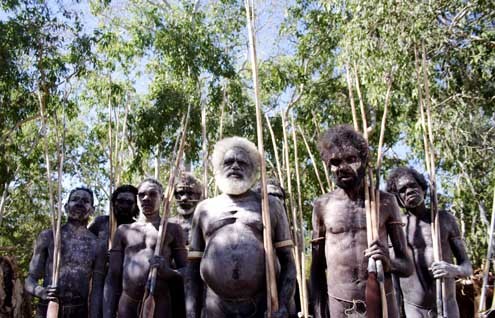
{"x": 226, "y": 249}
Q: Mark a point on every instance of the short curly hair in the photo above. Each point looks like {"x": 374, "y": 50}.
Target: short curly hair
{"x": 187, "y": 179}
{"x": 401, "y": 171}
{"x": 154, "y": 181}
{"x": 340, "y": 136}
{"x": 88, "y": 190}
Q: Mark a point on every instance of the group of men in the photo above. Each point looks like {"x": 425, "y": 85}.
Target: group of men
{"x": 212, "y": 264}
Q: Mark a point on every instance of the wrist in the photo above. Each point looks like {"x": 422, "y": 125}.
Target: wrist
{"x": 38, "y": 291}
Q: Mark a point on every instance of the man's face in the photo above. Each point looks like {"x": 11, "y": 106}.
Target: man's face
{"x": 186, "y": 199}
{"x": 149, "y": 198}
{"x": 236, "y": 165}
{"x": 347, "y": 168}
{"x": 79, "y": 206}
{"x": 411, "y": 195}
{"x": 125, "y": 205}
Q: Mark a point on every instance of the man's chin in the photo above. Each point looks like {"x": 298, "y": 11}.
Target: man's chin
{"x": 234, "y": 186}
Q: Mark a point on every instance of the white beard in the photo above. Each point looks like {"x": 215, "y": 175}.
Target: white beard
{"x": 234, "y": 186}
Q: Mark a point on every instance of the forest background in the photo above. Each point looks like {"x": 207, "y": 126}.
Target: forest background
{"x": 112, "y": 79}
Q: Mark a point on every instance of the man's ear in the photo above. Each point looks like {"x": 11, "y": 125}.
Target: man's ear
{"x": 66, "y": 207}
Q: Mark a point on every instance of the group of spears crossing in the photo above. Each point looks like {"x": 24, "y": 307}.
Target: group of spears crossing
{"x": 210, "y": 259}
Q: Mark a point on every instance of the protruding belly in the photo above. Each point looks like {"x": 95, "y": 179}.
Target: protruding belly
{"x": 233, "y": 265}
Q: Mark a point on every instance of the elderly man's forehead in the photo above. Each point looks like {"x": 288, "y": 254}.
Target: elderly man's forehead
{"x": 236, "y": 151}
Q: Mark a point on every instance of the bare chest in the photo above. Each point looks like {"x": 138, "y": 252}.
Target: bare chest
{"x": 236, "y": 219}
{"x": 344, "y": 217}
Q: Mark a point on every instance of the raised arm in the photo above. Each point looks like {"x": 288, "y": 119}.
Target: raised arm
{"x": 401, "y": 264}
{"x": 98, "y": 281}
{"x": 318, "y": 280}
{"x": 283, "y": 244}
{"x": 113, "y": 282}
{"x": 194, "y": 283}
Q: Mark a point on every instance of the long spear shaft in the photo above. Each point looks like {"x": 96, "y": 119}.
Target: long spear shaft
{"x": 148, "y": 308}
{"x": 295, "y": 231}
{"x": 430, "y": 156}
{"x": 312, "y": 160}
{"x": 303, "y": 291}
{"x": 487, "y": 266}
{"x": 372, "y": 209}
{"x": 272, "y": 293}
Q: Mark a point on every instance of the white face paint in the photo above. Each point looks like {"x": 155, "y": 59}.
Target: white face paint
{"x": 79, "y": 206}
{"x": 346, "y": 167}
{"x": 236, "y": 175}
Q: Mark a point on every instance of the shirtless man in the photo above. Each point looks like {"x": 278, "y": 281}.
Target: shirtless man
{"x": 188, "y": 192}
{"x": 226, "y": 250}
{"x": 131, "y": 258}
{"x": 418, "y": 290}
{"x": 339, "y": 232}
{"x": 124, "y": 208}
{"x": 81, "y": 266}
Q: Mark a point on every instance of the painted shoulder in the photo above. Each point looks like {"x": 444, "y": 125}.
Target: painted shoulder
{"x": 325, "y": 198}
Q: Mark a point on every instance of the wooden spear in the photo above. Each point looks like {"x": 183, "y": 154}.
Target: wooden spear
{"x": 275, "y": 151}
{"x": 435, "y": 224}
{"x": 303, "y": 290}
{"x": 271, "y": 282}
{"x": 375, "y": 268}
{"x": 148, "y": 309}
{"x": 292, "y": 207}
{"x": 53, "y": 306}
{"x": 486, "y": 267}
{"x": 312, "y": 160}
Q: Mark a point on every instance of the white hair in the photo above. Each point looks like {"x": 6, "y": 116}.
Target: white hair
{"x": 227, "y": 185}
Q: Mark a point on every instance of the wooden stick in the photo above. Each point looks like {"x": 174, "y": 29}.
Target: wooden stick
{"x": 292, "y": 207}
{"x": 437, "y": 247}
{"x": 272, "y": 293}
{"x": 351, "y": 98}
{"x": 372, "y": 213}
{"x": 204, "y": 150}
{"x": 148, "y": 308}
{"x": 312, "y": 160}
{"x": 486, "y": 267}
{"x": 303, "y": 291}
{"x": 275, "y": 151}
{"x": 53, "y": 307}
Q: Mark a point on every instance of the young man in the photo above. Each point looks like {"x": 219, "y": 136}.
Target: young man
{"x": 81, "y": 266}
{"x": 124, "y": 208}
{"x": 340, "y": 247}
{"x": 418, "y": 290}
{"x": 132, "y": 257}
{"x": 226, "y": 251}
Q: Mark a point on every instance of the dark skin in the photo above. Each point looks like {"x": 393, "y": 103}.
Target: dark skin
{"x": 187, "y": 197}
{"x": 124, "y": 209}
{"x": 340, "y": 249}
{"x": 82, "y": 264}
{"x": 418, "y": 290}
{"x": 229, "y": 229}
{"x": 132, "y": 256}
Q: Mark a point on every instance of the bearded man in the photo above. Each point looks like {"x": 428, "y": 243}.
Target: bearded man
{"x": 418, "y": 291}
{"x": 340, "y": 248}
{"x": 226, "y": 251}
{"x": 188, "y": 193}
{"x": 82, "y": 263}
